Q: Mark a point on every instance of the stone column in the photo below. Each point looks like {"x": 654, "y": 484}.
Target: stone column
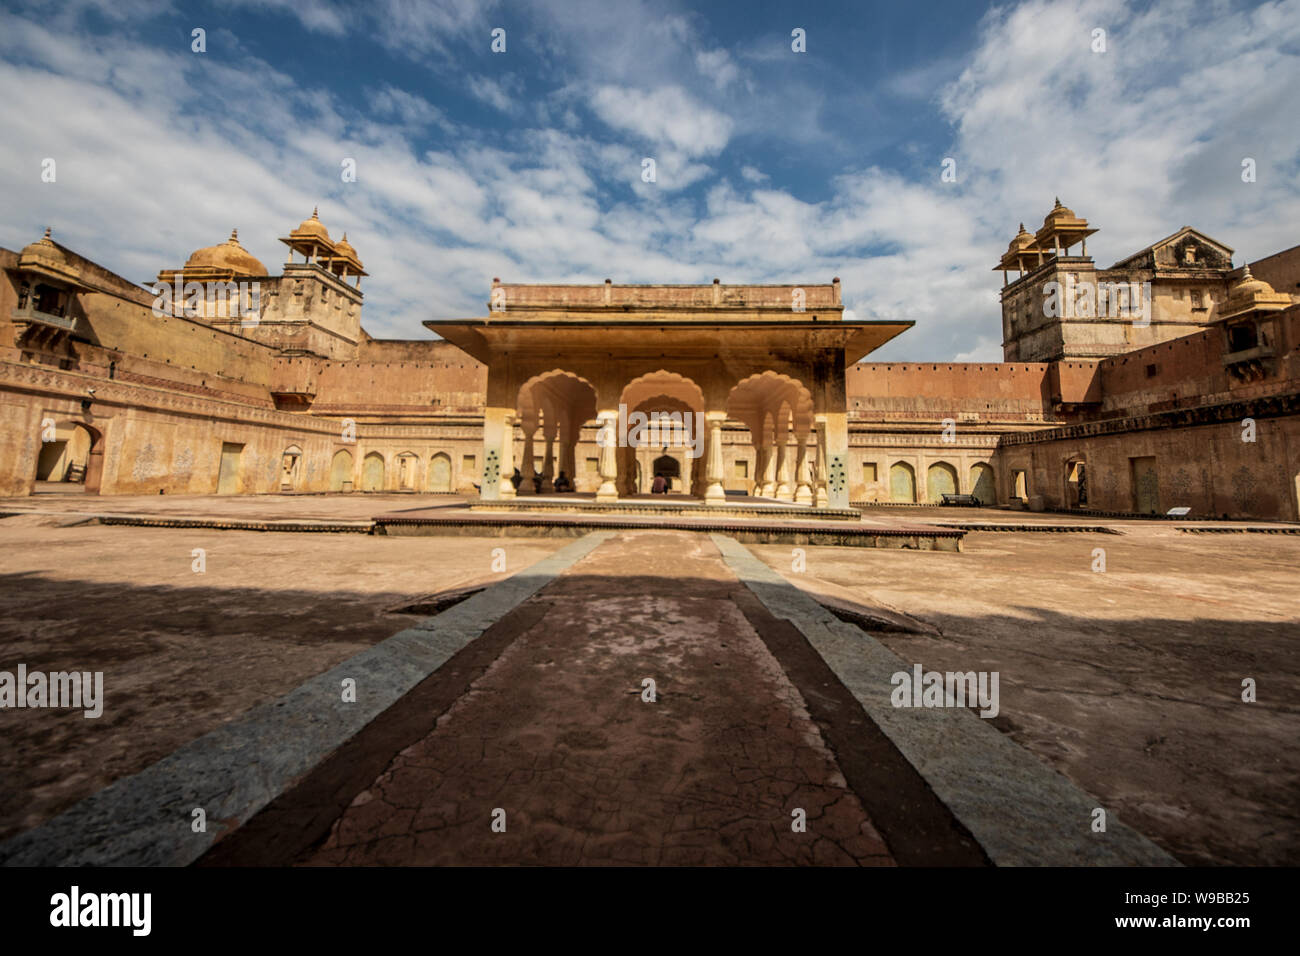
{"x": 548, "y": 461}
{"x": 819, "y": 480}
{"x": 837, "y": 459}
{"x": 784, "y": 486}
{"x": 528, "y": 486}
{"x": 607, "y": 440}
{"x": 803, "y": 471}
{"x": 769, "y": 462}
{"x": 569, "y": 451}
{"x": 627, "y": 471}
{"x": 495, "y": 429}
{"x": 508, "y": 455}
{"x": 714, "y": 493}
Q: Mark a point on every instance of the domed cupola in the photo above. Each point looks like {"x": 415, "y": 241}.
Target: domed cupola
{"x": 227, "y": 260}
{"x": 1248, "y": 294}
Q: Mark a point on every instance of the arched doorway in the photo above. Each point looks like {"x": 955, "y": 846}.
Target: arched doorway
{"x": 552, "y": 409}
{"x": 407, "y": 464}
{"x": 778, "y": 411}
{"x": 666, "y": 434}
{"x": 902, "y": 482}
{"x": 63, "y": 463}
{"x": 669, "y": 468}
{"x": 1076, "y": 483}
{"x": 290, "y": 468}
{"x": 440, "y": 474}
{"x": 64, "y": 453}
{"x": 940, "y": 480}
{"x": 372, "y": 472}
{"x": 982, "y": 484}
{"x": 341, "y": 471}
{"x": 1019, "y": 485}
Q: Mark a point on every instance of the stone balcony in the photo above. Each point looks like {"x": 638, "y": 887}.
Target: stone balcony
{"x": 30, "y": 315}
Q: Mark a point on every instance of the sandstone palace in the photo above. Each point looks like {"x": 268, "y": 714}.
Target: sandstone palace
{"x": 1170, "y": 380}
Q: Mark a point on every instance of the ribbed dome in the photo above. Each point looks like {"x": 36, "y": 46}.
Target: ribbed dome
{"x": 312, "y": 227}
{"x": 1021, "y": 240}
{"x": 1248, "y": 285}
{"x": 1058, "y": 212}
{"x": 45, "y": 251}
{"x": 344, "y": 248}
{"x": 229, "y": 255}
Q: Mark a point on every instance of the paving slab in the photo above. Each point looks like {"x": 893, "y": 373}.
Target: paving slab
{"x": 234, "y": 771}
{"x": 558, "y": 739}
{"x": 1021, "y": 811}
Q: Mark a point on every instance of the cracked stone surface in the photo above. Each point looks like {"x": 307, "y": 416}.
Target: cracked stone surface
{"x": 557, "y": 735}
{"x": 183, "y": 653}
{"x": 1127, "y": 681}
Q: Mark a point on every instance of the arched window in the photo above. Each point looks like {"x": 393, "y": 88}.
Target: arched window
{"x": 341, "y": 471}
{"x": 372, "y": 472}
{"x": 902, "y": 482}
{"x": 982, "y": 484}
{"x": 440, "y": 473}
{"x": 940, "y": 480}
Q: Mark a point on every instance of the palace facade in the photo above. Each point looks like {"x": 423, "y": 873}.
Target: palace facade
{"x": 1169, "y": 380}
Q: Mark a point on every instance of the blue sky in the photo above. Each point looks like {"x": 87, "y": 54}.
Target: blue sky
{"x": 772, "y": 166}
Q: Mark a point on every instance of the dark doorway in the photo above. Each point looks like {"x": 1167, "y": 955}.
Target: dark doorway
{"x": 669, "y": 468}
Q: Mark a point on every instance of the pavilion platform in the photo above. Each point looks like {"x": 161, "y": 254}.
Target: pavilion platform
{"x": 756, "y": 523}
{"x": 661, "y": 505}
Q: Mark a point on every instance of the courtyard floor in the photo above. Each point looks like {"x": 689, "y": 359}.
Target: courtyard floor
{"x": 1127, "y": 681}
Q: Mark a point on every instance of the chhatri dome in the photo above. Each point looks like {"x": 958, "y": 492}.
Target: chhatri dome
{"x": 1247, "y": 285}
{"x": 229, "y": 256}
{"x": 1021, "y": 240}
{"x": 45, "y": 258}
{"x": 1058, "y": 213}
{"x": 312, "y": 227}
{"x": 44, "y": 250}
{"x": 1248, "y": 294}
{"x": 344, "y": 248}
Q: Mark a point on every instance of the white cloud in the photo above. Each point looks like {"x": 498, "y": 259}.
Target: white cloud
{"x": 502, "y": 94}
{"x": 1141, "y": 140}
{"x": 318, "y": 16}
{"x": 407, "y": 108}
{"x": 668, "y": 115}
{"x": 718, "y": 66}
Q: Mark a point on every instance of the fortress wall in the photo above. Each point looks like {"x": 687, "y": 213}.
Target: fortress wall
{"x": 1190, "y": 371}
{"x": 389, "y": 377}
{"x": 965, "y": 392}
{"x": 1207, "y": 468}
{"x": 170, "y": 342}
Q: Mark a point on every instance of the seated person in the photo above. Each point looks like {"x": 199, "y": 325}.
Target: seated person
{"x": 562, "y": 483}
{"x": 659, "y": 486}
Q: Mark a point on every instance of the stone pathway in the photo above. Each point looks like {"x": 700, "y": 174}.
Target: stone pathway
{"x": 555, "y": 733}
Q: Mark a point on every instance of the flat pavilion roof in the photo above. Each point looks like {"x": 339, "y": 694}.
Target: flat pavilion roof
{"x": 486, "y": 339}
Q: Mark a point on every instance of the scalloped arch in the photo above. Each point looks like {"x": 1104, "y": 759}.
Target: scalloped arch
{"x": 695, "y": 394}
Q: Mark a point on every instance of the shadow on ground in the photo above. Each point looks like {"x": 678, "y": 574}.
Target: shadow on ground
{"x": 1144, "y": 713}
